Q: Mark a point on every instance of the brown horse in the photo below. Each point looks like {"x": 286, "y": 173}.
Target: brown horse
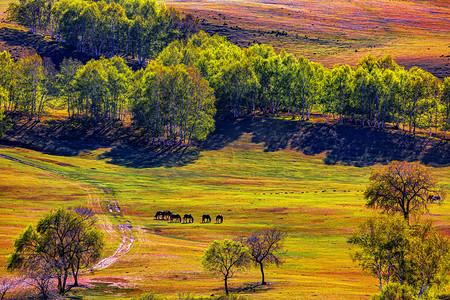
{"x": 175, "y": 218}
{"x": 206, "y": 219}
{"x": 219, "y": 219}
{"x": 188, "y": 218}
{"x": 163, "y": 215}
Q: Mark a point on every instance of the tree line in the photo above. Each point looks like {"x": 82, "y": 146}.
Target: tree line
{"x": 128, "y": 28}
{"x": 169, "y": 104}
{"x": 374, "y": 92}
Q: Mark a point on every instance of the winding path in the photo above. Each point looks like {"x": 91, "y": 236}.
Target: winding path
{"x": 94, "y": 202}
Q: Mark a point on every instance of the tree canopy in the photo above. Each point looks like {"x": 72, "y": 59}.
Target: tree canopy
{"x": 62, "y": 243}
{"x": 226, "y": 257}
{"x": 402, "y": 187}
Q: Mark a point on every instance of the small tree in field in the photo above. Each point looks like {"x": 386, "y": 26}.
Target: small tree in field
{"x": 402, "y": 187}
{"x": 226, "y": 257}
{"x": 62, "y": 242}
{"x": 265, "y": 247}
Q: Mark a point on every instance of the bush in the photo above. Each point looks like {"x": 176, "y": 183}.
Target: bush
{"x": 396, "y": 291}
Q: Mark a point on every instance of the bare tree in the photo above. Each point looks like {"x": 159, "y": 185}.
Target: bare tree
{"x": 265, "y": 248}
{"x": 7, "y": 284}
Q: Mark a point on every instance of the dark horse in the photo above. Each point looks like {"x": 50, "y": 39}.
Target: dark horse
{"x": 206, "y": 219}
{"x": 188, "y": 218}
{"x": 219, "y": 219}
{"x": 163, "y": 215}
{"x": 175, "y": 218}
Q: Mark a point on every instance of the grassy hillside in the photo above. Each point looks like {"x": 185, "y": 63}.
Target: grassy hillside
{"x": 416, "y": 33}
{"x": 240, "y": 176}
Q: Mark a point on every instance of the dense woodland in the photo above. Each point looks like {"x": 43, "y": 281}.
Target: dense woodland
{"x": 175, "y": 97}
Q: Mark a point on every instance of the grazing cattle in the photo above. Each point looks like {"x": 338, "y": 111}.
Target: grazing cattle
{"x": 219, "y": 219}
{"x": 187, "y": 218}
{"x": 206, "y": 219}
{"x": 175, "y": 218}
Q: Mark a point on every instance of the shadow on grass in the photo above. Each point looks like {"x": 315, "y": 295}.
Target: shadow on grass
{"x": 150, "y": 157}
{"x": 17, "y": 41}
{"x": 343, "y": 144}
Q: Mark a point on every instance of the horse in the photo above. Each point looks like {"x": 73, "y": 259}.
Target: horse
{"x": 187, "y": 218}
{"x": 434, "y": 198}
{"x": 206, "y": 219}
{"x": 219, "y": 219}
{"x": 163, "y": 215}
{"x": 175, "y": 218}
{"x": 167, "y": 214}
{"x": 159, "y": 215}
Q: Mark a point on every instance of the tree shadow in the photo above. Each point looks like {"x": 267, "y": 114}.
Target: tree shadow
{"x": 344, "y": 144}
{"x": 150, "y": 157}
{"x": 17, "y": 41}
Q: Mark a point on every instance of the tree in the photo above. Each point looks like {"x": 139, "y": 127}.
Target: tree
{"x": 383, "y": 241}
{"x": 54, "y": 248}
{"x": 7, "y": 284}
{"x": 225, "y": 258}
{"x": 265, "y": 247}
{"x": 401, "y": 187}
{"x": 416, "y": 258}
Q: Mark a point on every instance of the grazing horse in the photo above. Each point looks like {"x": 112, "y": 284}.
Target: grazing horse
{"x": 159, "y": 215}
{"x": 175, "y": 218}
{"x": 163, "y": 215}
{"x": 206, "y": 219}
{"x": 188, "y": 218}
{"x": 219, "y": 219}
{"x": 434, "y": 198}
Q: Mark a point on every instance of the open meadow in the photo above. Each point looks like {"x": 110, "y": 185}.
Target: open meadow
{"x": 304, "y": 178}
{"x": 248, "y": 180}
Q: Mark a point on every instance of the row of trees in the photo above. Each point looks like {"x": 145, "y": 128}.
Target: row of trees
{"x": 63, "y": 243}
{"x": 409, "y": 261}
{"x": 172, "y": 104}
{"x": 136, "y": 28}
{"x": 374, "y": 92}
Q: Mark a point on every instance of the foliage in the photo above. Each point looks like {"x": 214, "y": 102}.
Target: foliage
{"x": 140, "y": 28}
{"x": 265, "y": 248}
{"x": 176, "y": 105}
{"x": 402, "y": 187}
{"x": 62, "y": 242}
{"x": 417, "y": 257}
{"x": 395, "y": 291}
{"x": 226, "y": 257}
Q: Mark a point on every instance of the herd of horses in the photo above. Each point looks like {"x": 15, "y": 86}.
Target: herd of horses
{"x": 187, "y": 218}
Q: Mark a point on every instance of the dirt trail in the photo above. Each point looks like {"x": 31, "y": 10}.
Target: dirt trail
{"x": 96, "y": 205}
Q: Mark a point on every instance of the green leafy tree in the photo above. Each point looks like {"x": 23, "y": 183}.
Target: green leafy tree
{"x": 402, "y": 187}
{"x": 60, "y": 242}
{"x": 409, "y": 262}
{"x": 445, "y": 100}
{"x": 226, "y": 257}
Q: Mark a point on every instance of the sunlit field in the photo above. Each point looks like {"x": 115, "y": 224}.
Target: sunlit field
{"x": 318, "y": 205}
{"x": 415, "y": 33}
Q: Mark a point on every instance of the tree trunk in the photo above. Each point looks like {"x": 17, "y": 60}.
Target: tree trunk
{"x": 226, "y": 285}
{"x": 262, "y": 273}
